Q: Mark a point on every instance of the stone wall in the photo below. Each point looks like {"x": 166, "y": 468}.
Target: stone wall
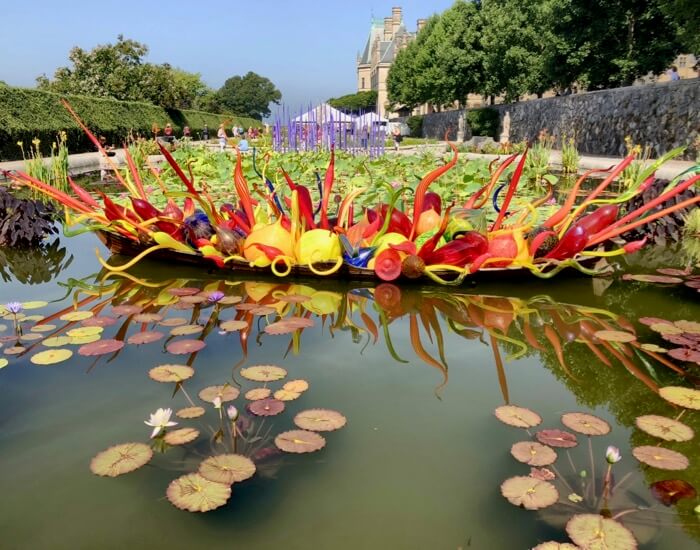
{"x": 664, "y": 115}
{"x": 436, "y": 124}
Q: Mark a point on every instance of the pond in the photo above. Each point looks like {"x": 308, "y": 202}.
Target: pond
{"x": 410, "y": 376}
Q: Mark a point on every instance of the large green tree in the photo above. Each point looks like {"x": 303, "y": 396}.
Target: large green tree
{"x": 249, "y": 95}
{"x": 685, "y": 18}
{"x": 118, "y": 71}
{"x": 355, "y": 103}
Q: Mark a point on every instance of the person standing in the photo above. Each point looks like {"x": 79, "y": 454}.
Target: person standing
{"x": 673, "y": 73}
{"x": 396, "y": 136}
{"x": 186, "y": 132}
{"x": 221, "y": 134}
{"x": 205, "y": 133}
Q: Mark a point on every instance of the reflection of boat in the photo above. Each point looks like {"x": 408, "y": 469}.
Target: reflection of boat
{"x": 123, "y": 246}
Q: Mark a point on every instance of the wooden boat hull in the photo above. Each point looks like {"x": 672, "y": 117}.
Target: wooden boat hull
{"x": 123, "y": 246}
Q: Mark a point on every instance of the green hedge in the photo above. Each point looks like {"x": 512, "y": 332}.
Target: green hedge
{"x": 415, "y": 124}
{"x": 483, "y": 122}
{"x": 26, "y": 114}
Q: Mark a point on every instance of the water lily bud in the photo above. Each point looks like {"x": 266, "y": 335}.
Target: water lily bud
{"x": 612, "y": 455}
{"x": 583, "y": 474}
{"x": 232, "y": 413}
{"x": 217, "y": 402}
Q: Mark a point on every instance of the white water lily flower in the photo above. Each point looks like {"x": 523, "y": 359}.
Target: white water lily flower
{"x": 232, "y": 413}
{"x": 159, "y": 421}
{"x": 612, "y": 455}
{"x": 217, "y": 402}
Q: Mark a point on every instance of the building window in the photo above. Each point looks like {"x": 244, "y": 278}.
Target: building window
{"x": 363, "y": 83}
{"x": 682, "y": 61}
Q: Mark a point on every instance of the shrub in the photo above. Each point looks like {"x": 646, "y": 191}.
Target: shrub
{"x": 483, "y": 122}
{"x": 415, "y": 124}
{"x": 26, "y": 114}
{"x": 24, "y": 222}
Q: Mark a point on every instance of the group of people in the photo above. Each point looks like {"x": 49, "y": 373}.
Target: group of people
{"x": 238, "y": 132}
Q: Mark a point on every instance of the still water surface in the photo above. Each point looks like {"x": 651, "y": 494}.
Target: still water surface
{"x": 417, "y": 373}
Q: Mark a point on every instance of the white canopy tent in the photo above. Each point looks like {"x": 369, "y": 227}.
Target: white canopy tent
{"x": 369, "y": 119}
{"x": 324, "y": 114}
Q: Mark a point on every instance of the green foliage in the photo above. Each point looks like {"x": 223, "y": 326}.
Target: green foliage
{"x": 685, "y": 17}
{"x": 355, "y": 103}
{"x": 415, "y": 123}
{"x": 483, "y": 122}
{"x": 569, "y": 155}
{"x": 249, "y": 95}
{"x": 117, "y": 71}
{"x": 28, "y": 114}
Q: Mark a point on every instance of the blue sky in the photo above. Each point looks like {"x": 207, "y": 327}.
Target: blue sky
{"x": 306, "y": 47}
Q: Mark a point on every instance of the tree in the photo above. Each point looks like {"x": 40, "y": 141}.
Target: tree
{"x": 355, "y": 103}
{"x": 118, "y": 71}
{"x": 249, "y": 95}
{"x": 607, "y": 43}
{"x": 685, "y": 17}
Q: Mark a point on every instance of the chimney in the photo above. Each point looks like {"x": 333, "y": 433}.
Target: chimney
{"x": 420, "y": 24}
{"x": 387, "y": 29}
{"x": 395, "y": 19}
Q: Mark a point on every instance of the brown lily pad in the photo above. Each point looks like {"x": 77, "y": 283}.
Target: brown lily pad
{"x": 298, "y": 386}
{"x": 185, "y": 347}
{"x": 693, "y": 327}
{"x": 666, "y": 328}
{"x": 121, "y": 459}
{"x": 173, "y": 322}
{"x": 258, "y": 393}
{"x": 181, "y": 436}
{"x": 599, "y": 533}
{"x": 653, "y": 348}
{"x": 648, "y": 321}
{"x": 518, "y": 417}
{"x": 286, "y": 395}
{"x": 663, "y": 279}
{"x": 101, "y": 347}
{"x": 263, "y": 310}
{"x": 145, "y": 337}
{"x": 263, "y": 373}
{"x": 126, "y": 310}
{"x": 233, "y": 325}
{"x": 320, "y": 420}
{"x": 171, "y": 373}
{"x": 195, "y": 493}
{"x": 615, "y": 336}
{"x": 186, "y": 330}
{"x": 266, "y": 407}
{"x": 184, "y": 291}
{"x": 543, "y": 474}
{"x": 98, "y": 322}
{"x": 673, "y": 272}
{"x": 227, "y": 468}
{"x": 557, "y": 438}
{"x": 684, "y": 397}
{"x": 292, "y": 298}
{"x": 530, "y": 493}
{"x": 553, "y": 545}
{"x": 658, "y": 457}
{"x": 225, "y": 393}
{"x": 14, "y": 350}
{"x": 533, "y": 453}
{"x": 665, "y": 428}
{"x": 191, "y": 412}
{"x": 685, "y": 354}
{"x": 280, "y": 327}
{"x": 670, "y": 491}
{"x": 299, "y": 441}
{"x": 586, "y": 424}
{"x": 147, "y": 318}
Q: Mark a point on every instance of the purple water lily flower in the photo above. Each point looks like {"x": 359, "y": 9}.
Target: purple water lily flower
{"x": 14, "y": 307}
{"x": 215, "y": 296}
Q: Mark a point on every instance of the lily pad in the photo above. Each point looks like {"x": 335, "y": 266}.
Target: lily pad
{"x": 230, "y": 300}
{"x": 173, "y": 322}
{"x": 670, "y": 491}
{"x": 663, "y": 279}
{"x": 320, "y": 420}
{"x": 195, "y": 493}
{"x": 79, "y": 341}
{"x": 665, "y": 428}
{"x": 126, "y": 310}
{"x": 533, "y": 453}
{"x": 292, "y": 298}
{"x": 263, "y": 310}
{"x": 653, "y": 348}
{"x": 685, "y": 354}
{"x": 666, "y": 328}
{"x": 228, "y": 468}
{"x": 184, "y": 291}
{"x": 615, "y": 336}
{"x": 43, "y": 328}
{"x": 185, "y": 330}
{"x": 51, "y": 356}
{"x": 171, "y": 373}
{"x": 678, "y": 395}
{"x": 659, "y": 457}
{"x": 225, "y": 393}
{"x": 692, "y": 327}
{"x": 185, "y": 347}
{"x": 233, "y": 325}
{"x": 56, "y": 341}
{"x": 191, "y": 412}
{"x": 83, "y": 331}
{"x": 298, "y": 386}
{"x": 543, "y": 474}
{"x": 263, "y": 373}
{"x": 101, "y": 347}
{"x": 181, "y": 436}
{"x": 673, "y": 272}
{"x": 594, "y": 532}
{"x": 3, "y": 362}
{"x": 147, "y": 318}
{"x": 14, "y": 350}
{"x": 121, "y": 459}
{"x": 258, "y": 393}
{"x": 557, "y": 438}
{"x": 145, "y": 337}
{"x": 280, "y": 327}
{"x": 196, "y": 299}
{"x": 36, "y": 304}
{"x": 30, "y": 337}
{"x": 299, "y": 441}
{"x": 530, "y": 493}
{"x": 76, "y": 316}
{"x": 266, "y": 407}
{"x": 103, "y": 321}
{"x": 287, "y": 395}
{"x": 653, "y": 321}
{"x": 553, "y": 545}
{"x": 586, "y": 424}
{"x": 518, "y": 417}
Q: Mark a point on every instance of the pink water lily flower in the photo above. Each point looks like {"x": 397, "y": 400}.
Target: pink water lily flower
{"x": 612, "y": 455}
{"x": 160, "y": 420}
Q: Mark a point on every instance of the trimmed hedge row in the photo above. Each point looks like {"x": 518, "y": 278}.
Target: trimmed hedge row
{"x": 26, "y": 114}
